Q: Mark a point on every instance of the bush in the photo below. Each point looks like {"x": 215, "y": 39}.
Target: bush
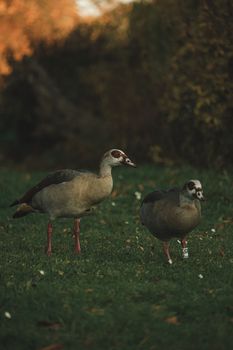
{"x": 152, "y": 78}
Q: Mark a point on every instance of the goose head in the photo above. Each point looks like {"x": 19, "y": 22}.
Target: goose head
{"x": 194, "y": 189}
{"x": 116, "y": 157}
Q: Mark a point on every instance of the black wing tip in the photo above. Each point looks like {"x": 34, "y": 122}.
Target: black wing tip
{"x": 15, "y": 216}
{"x": 14, "y": 203}
{"x": 18, "y": 214}
{"x": 153, "y": 196}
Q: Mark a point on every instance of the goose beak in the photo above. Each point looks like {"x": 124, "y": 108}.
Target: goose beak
{"x": 133, "y": 165}
{"x": 200, "y": 196}
{"x": 129, "y": 162}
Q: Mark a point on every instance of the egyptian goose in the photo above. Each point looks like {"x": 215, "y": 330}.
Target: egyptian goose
{"x": 71, "y": 194}
{"x": 173, "y": 213}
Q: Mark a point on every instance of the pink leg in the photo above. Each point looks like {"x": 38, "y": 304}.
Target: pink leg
{"x": 77, "y": 247}
{"x": 185, "y": 252}
{"x": 166, "y": 251}
{"x": 49, "y": 236}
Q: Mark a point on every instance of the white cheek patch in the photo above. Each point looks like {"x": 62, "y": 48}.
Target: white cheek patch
{"x": 193, "y": 191}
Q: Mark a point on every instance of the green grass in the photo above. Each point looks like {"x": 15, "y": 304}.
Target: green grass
{"x": 119, "y": 293}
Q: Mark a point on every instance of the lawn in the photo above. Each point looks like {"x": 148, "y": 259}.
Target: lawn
{"x": 120, "y": 293}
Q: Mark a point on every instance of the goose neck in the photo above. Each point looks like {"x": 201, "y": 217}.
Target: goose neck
{"x": 185, "y": 198}
{"x": 105, "y": 170}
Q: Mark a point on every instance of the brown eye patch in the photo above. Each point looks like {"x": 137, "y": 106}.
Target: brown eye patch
{"x": 191, "y": 185}
{"x": 116, "y": 154}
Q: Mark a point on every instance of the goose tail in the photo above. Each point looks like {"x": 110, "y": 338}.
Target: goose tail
{"x": 14, "y": 203}
{"x": 23, "y": 209}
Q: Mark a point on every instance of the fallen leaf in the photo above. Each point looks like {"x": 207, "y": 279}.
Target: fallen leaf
{"x": 51, "y": 325}
{"x": 66, "y": 230}
{"x": 53, "y": 347}
{"x": 224, "y": 222}
{"x": 220, "y": 226}
{"x": 88, "y": 341}
{"x": 157, "y": 307}
{"x": 89, "y": 290}
{"x": 172, "y": 320}
{"x": 96, "y": 311}
{"x": 114, "y": 194}
{"x": 141, "y": 187}
{"x": 210, "y": 291}
{"x": 27, "y": 177}
{"x": 228, "y": 220}
{"x": 229, "y": 310}
{"x": 221, "y": 252}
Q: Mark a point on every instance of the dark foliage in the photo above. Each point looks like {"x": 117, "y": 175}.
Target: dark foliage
{"x": 154, "y": 79}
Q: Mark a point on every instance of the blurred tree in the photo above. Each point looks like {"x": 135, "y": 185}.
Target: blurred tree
{"x": 198, "y": 100}
{"x": 24, "y": 23}
{"x": 153, "y": 77}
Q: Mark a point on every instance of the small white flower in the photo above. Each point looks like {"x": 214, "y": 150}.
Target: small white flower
{"x": 200, "y": 276}
{"x": 42, "y": 272}
{"x": 138, "y": 195}
{"x": 213, "y": 230}
{"x": 113, "y": 204}
{"x": 7, "y": 315}
{"x": 127, "y": 222}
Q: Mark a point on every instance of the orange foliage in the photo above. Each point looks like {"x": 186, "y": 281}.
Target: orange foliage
{"x": 24, "y": 23}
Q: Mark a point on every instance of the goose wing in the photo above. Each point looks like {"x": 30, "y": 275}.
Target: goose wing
{"x": 159, "y": 194}
{"x": 53, "y": 178}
